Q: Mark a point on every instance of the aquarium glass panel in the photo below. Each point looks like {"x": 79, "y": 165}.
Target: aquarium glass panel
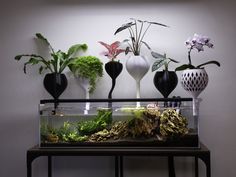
{"x": 121, "y": 122}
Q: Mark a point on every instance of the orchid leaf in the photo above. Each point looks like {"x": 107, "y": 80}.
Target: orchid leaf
{"x": 123, "y": 27}
{"x": 185, "y": 66}
{"x": 209, "y": 62}
{"x": 156, "y": 55}
{"x": 157, "y": 64}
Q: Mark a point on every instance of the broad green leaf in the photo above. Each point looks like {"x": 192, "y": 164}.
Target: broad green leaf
{"x": 185, "y": 66}
{"x": 127, "y": 50}
{"x": 157, "y": 64}
{"x": 146, "y": 45}
{"x": 123, "y": 27}
{"x": 18, "y": 57}
{"x": 126, "y": 40}
{"x": 155, "y": 23}
{"x": 75, "y": 48}
{"x": 41, "y": 69}
{"x": 40, "y": 36}
{"x": 65, "y": 64}
{"x": 33, "y": 61}
{"x": 156, "y": 55}
{"x": 175, "y": 61}
{"x": 209, "y": 62}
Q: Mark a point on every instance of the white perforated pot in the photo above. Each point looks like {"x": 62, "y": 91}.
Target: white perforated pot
{"x": 194, "y": 81}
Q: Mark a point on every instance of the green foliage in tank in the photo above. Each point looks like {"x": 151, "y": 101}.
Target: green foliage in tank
{"x": 69, "y": 133}
{"x": 100, "y": 122}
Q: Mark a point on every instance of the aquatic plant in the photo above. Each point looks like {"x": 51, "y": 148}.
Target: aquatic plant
{"x": 100, "y": 122}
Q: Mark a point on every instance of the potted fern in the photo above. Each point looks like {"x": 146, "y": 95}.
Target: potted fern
{"x": 87, "y": 70}
{"x": 55, "y": 82}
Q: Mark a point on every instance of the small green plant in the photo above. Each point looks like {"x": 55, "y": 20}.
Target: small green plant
{"x": 89, "y": 67}
{"x": 59, "y": 61}
{"x": 100, "y": 122}
{"x": 162, "y": 60}
{"x": 68, "y": 133}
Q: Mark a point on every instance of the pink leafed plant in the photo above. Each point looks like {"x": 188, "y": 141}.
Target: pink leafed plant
{"x": 113, "y": 50}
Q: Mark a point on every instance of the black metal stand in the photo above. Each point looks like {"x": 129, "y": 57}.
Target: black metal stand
{"x": 119, "y": 152}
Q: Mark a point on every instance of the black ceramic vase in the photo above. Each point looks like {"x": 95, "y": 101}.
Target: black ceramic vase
{"x": 165, "y": 82}
{"x": 113, "y": 69}
{"x": 55, "y": 84}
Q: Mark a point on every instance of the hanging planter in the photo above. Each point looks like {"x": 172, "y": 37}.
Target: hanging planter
{"x": 137, "y": 67}
{"x": 113, "y": 69}
{"x": 55, "y": 84}
{"x": 165, "y": 81}
{"x": 194, "y": 79}
{"x": 87, "y": 70}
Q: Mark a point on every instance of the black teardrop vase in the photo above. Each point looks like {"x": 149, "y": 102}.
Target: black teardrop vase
{"x": 113, "y": 69}
{"x": 165, "y": 82}
{"x": 55, "y": 84}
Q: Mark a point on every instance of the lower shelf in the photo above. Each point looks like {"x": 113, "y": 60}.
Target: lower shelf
{"x": 188, "y": 141}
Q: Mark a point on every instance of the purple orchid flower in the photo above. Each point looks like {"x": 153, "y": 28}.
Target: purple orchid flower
{"x": 197, "y": 42}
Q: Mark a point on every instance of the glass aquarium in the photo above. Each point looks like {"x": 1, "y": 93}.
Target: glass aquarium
{"x": 118, "y": 122}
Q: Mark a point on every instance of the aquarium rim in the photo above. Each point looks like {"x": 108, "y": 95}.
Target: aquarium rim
{"x": 115, "y": 100}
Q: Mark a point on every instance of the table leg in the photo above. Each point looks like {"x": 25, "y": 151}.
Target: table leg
{"x": 171, "y": 166}
{"x": 118, "y": 166}
{"x": 29, "y": 166}
{"x": 196, "y": 167}
{"x": 206, "y": 158}
{"x": 49, "y": 166}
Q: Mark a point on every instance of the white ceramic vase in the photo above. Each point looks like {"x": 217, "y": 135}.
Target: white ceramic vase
{"x": 194, "y": 81}
{"x": 84, "y": 84}
{"x": 137, "y": 67}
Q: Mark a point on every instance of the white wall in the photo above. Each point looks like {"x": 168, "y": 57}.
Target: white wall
{"x": 78, "y": 21}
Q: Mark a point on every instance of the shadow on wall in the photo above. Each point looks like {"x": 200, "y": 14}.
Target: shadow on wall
{"x": 108, "y": 2}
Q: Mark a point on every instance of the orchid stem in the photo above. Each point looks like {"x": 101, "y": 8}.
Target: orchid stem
{"x": 189, "y": 57}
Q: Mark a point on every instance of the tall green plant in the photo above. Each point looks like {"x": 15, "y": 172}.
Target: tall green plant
{"x": 137, "y": 31}
{"x": 59, "y": 60}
